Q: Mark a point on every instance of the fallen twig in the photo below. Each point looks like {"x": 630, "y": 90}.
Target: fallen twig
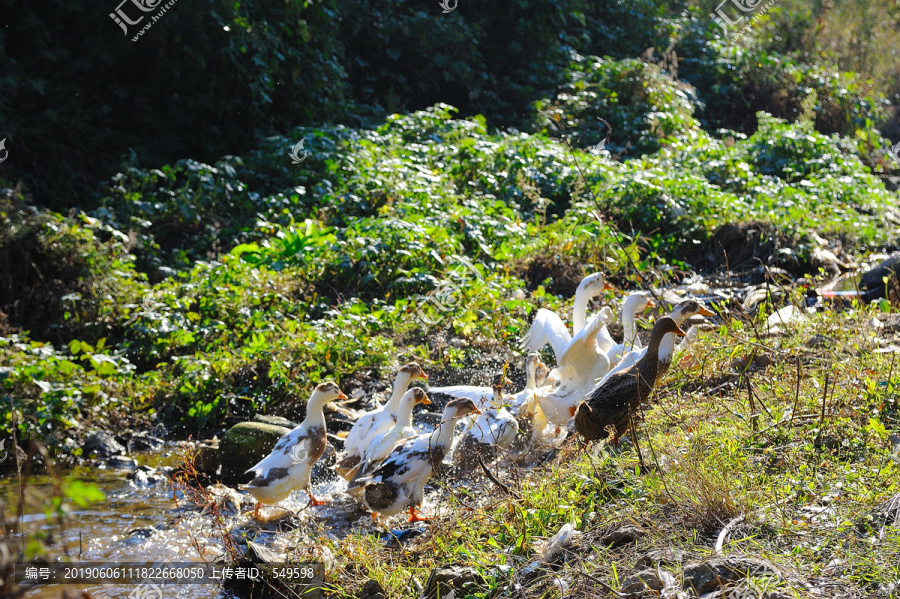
{"x": 494, "y": 480}
{"x": 726, "y": 531}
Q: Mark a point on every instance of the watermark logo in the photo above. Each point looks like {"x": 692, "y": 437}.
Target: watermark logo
{"x": 895, "y": 152}
{"x": 296, "y": 158}
{"x": 4, "y": 453}
{"x": 445, "y": 4}
{"x": 146, "y": 590}
{"x": 727, "y": 18}
{"x": 600, "y": 148}
{"x": 448, "y": 293}
{"x": 298, "y": 453}
{"x": 5, "y": 151}
{"x": 123, "y": 18}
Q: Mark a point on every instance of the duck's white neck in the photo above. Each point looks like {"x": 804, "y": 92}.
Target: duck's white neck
{"x": 667, "y": 345}
{"x": 579, "y": 309}
{"x": 629, "y": 313}
{"x": 315, "y": 415}
{"x": 404, "y": 413}
{"x": 401, "y": 385}
{"x": 530, "y": 376}
{"x": 443, "y": 434}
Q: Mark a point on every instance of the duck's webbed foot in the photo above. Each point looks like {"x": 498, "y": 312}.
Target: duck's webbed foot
{"x": 414, "y": 517}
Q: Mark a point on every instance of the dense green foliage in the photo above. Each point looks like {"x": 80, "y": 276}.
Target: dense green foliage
{"x": 206, "y": 293}
{"x": 214, "y": 77}
{"x": 213, "y": 276}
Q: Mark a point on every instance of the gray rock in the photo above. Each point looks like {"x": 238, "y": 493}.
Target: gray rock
{"x": 712, "y": 575}
{"x": 619, "y": 534}
{"x": 137, "y": 536}
{"x": 244, "y": 445}
{"x": 873, "y": 280}
{"x": 103, "y": 444}
{"x": 274, "y": 420}
{"x": 819, "y": 341}
{"x": 206, "y": 459}
{"x": 637, "y": 584}
{"x": 371, "y": 590}
{"x": 121, "y": 462}
{"x": 260, "y": 554}
{"x": 144, "y": 442}
{"x": 666, "y": 557}
{"x": 460, "y": 580}
{"x": 143, "y": 479}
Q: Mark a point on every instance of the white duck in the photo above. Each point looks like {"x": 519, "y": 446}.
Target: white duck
{"x": 290, "y": 463}
{"x": 548, "y": 327}
{"x": 377, "y": 421}
{"x": 492, "y": 430}
{"x": 381, "y": 445}
{"x": 633, "y": 305}
{"x": 399, "y": 482}
{"x": 680, "y": 313}
{"x": 581, "y": 366}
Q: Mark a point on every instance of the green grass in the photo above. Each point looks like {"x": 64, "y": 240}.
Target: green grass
{"x": 711, "y": 458}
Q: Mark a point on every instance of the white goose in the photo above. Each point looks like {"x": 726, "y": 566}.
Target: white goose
{"x": 290, "y": 463}
{"x": 381, "y": 445}
{"x": 548, "y": 327}
{"x": 680, "y": 313}
{"x": 377, "y": 421}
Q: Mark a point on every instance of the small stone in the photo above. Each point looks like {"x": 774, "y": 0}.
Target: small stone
{"x": 712, "y": 575}
{"x": 260, "y": 554}
{"x": 819, "y": 341}
{"x": 144, "y": 442}
{"x": 460, "y": 580}
{"x": 103, "y": 444}
{"x": 667, "y": 557}
{"x": 619, "y": 534}
{"x": 119, "y": 462}
{"x": 372, "y": 589}
{"x": 642, "y": 581}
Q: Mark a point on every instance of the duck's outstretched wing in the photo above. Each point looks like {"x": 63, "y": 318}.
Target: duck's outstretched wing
{"x": 547, "y": 327}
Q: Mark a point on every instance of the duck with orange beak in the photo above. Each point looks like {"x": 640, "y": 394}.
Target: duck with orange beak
{"x": 382, "y": 444}
{"x": 289, "y": 465}
{"x": 680, "y": 314}
{"x": 399, "y": 482}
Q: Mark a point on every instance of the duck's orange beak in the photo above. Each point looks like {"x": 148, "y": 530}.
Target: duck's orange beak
{"x": 342, "y": 396}
{"x": 679, "y": 332}
{"x": 476, "y": 411}
{"x": 607, "y": 286}
{"x": 651, "y": 303}
{"x": 426, "y": 401}
{"x": 705, "y": 312}
{"x": 424, "y": 376}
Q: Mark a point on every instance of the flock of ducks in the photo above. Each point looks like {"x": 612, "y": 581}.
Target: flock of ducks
{"x": 595, "y": 389}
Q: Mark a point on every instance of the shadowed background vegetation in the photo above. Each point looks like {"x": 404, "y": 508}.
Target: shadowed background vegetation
{"x": 159, "y": 250}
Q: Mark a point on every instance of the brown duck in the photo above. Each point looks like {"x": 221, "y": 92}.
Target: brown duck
{"x": 609, "y": 408}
